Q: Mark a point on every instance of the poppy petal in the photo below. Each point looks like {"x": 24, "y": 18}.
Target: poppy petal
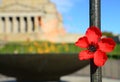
{"x": 84, "y": 55}
{"x": 82, "y": 42}
{"x": 93, "y": 34}
{"x": 106, "y": 44}
{"x": 100, "y": 58}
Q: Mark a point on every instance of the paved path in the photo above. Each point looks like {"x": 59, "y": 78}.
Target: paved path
{"x": 84, "y": 79}
{"x": 68, "y": 78}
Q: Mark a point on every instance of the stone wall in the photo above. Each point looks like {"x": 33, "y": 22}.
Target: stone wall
{"x": 110, "y": 70}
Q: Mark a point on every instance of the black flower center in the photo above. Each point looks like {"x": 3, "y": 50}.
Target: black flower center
{"x": 92, "y": 48}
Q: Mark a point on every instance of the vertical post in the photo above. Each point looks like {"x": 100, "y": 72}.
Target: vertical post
{"x": 95, "y": 72}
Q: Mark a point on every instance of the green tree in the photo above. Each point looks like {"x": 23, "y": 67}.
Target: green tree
{"x": 108, "y": 34}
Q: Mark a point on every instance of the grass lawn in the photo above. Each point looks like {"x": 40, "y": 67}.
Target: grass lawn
{"x": 45, "y": 47}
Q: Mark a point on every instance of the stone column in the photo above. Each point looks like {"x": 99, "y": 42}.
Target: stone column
{"x": 15, "y": 25}
{"x": 1, "y": 25}
{"x": 29, "y": 22}
{"x": 18, "y": 24}
{"x": 36, "y": 24}
{"x": 22, "y": 25}
{"x": 8, "y": 26}
{"x": 33, "y": 24}
{"x": 11, "y": 24}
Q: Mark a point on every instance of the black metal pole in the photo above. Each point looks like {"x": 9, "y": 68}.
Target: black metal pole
{"x": 95, "y": 72}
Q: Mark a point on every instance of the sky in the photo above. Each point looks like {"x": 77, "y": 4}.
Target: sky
{"x": 76, "y": 15}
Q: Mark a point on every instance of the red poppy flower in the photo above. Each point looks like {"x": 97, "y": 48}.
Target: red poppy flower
{"x": 96, "y": 47}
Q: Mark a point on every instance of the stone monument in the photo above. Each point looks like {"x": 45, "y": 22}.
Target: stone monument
{"x": 22, "y": 20}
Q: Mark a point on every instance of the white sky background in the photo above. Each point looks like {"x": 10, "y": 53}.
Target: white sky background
{"x": 64, "y": 6}
{"x": 75, "y": 14}
{"x": 0, "y": 1}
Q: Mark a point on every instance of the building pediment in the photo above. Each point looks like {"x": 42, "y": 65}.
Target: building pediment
{"x": 16, "y": 7}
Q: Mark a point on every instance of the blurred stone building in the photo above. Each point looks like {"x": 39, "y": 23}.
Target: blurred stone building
{"x": 22, "y": 20}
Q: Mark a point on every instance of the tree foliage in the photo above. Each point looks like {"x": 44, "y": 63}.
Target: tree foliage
{"x": 108, "y": 34}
